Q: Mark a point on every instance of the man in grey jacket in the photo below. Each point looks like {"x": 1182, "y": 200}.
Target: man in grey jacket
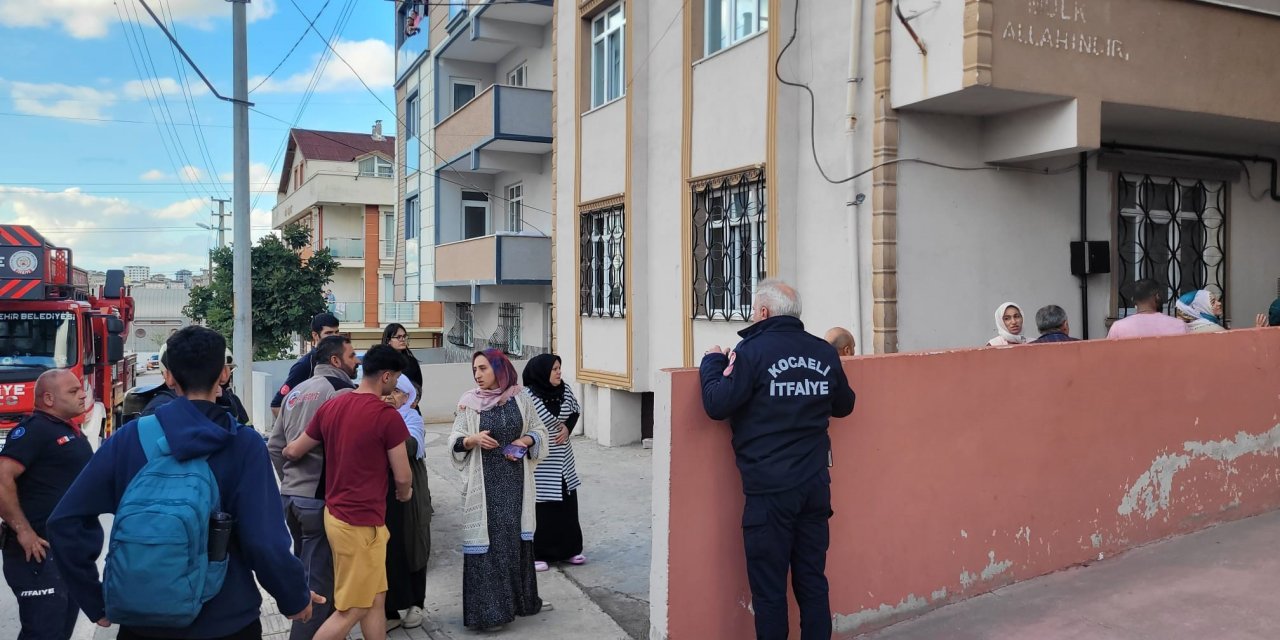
{"x": 301, "y": 485}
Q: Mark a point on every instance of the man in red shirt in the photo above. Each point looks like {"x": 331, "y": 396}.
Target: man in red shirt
{"x": 363, "y": 437}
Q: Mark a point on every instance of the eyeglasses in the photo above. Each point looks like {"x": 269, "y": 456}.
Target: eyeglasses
{"x": 400, "y": 337}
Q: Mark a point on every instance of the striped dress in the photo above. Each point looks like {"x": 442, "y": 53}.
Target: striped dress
{"x": 558, "y": 464}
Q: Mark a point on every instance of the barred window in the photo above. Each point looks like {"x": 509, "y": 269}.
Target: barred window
{"x": 462, "y": 332}
{"x": 1174, "y": 231}
{"x": 601, "y": 261}
{"x": 507, "y": 335}
{"x": 729, "y": 230}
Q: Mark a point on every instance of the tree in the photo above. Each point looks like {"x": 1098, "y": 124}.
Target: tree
{"x": 287, "y": 291}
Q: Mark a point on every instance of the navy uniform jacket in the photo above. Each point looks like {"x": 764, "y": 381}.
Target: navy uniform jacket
{"x": 784, "y": 387}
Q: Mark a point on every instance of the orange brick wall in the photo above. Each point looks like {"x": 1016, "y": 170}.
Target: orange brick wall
{"x": 372, "y": 257}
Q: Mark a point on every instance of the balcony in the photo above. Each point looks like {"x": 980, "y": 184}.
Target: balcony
{"x": 328, "y": 188}
{"x": 402, "y": 312}
{"x": 502, "y": 129}
{"x": 1048, "y": 77}
{"x": 345, "y": 248}
{"x": 493, "y": 31}
{"x": 500, "y": 259}
{"x": 348, "y": 312}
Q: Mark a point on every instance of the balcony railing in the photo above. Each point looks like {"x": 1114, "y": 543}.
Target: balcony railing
{"x": 350, "y": 248}
{"x": 496, "y": 259}
{"x": 347, "y": 311}
{"x": 512, "y": 119}
{"x": 404, "y": 312}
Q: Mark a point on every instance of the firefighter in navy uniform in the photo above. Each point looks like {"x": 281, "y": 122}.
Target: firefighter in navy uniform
{"x": 779, "y": 388}
{"x": 38, "y": 463}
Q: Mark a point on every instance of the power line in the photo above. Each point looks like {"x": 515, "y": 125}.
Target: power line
{"x": 291, "y": 50}
{"x": 201, "y": 142}
{"x": 9, "y": 114}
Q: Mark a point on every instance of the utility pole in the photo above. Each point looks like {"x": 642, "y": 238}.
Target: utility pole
{"x": 242, "y": 342}
{"x": 222, "y": 220}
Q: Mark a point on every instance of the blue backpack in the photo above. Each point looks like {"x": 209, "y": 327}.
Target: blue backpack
{"x": 158, "y": 572}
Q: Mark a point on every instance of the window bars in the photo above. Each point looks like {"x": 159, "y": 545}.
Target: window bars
{"x": 601, "y": 261}
{"x": 507, "y": 335}
{"x": 461, "y": 334}
{"x": 1174, "y": 231}
{"x": 730, "y": 225}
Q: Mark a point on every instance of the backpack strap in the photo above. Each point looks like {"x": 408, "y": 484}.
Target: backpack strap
{"x": 151, "y": 437}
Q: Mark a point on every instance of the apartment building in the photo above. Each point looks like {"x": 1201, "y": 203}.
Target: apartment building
{"x": 474, "y": 99}
{"x": 908, "y": 165}
{"x": 341, "y": 185}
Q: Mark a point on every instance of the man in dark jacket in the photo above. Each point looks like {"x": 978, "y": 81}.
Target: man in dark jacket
{"x": 779, "y": 389}
{"x": 1051, "y": 320}
{"x": 194, "y": 425}
{"x": 323, "y": 325}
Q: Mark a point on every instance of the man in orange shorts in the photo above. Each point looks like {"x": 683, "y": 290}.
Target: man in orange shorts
{"x": 363, "y": 437}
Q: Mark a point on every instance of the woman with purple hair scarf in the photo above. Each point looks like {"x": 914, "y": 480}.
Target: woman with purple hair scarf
{"x": 496, "y": 442}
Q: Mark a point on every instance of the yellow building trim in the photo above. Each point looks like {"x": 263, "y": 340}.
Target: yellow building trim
{"x": 771, "y": 144}
{"x": 884, "y": 194}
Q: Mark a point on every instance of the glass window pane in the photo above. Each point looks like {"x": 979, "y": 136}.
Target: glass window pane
{"x": 744, "y": 20}
{"x": 462, "y": 94}
{"x": 764, "y": 14}
{"x": 598, "y": 63}
{"x": 615, "y": 18}
{"x": 597, "y": 27}
{"x": 615, "y": 65}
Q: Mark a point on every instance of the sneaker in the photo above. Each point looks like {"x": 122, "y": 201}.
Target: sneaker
{"x": 539, "y": 565}
{"x": 413, "y": 618}
{"x": 547, "y": 606}
{"x": 578, "y": 559}
{"x": 394, "y": 624}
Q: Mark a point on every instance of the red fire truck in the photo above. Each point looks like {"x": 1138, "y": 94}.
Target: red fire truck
{"x": 49, "y": 319}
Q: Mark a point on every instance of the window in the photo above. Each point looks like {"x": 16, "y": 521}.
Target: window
{"x": 463, "y": 92}
{"x": 388, "y": 234}
{"x": 412, "y": 124}
{"x": 411, "y": 218}
{"x": 376, "y": 166}
{"x": 730, "y": 21}
{"x": 519, "y": 76}
{"x": 729, "y": 231}
{"x": 475, "y": 214}
{"x": 1172, "y": 230}
{"x": 388, "y": 288}
{"x": 456, "y": 8}
{"x": 606, "y": 55}
{"x": 515, "y": 207}
{"x": 601, "y": 261}
{"x": 507, "y": 335}
{"x": 461, "y": 334}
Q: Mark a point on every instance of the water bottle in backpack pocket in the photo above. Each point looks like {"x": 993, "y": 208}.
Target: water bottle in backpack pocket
{"x": 158, "y": 570}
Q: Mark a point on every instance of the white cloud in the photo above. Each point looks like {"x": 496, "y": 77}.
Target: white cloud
{"x": 191, "y": 174}
{"x": 138, "y": 90}
{"x": 84, "y": 19}
{"x": 153, "y": 175}
{"x": 58, "y": 100}
{"x": 261, "y": 179}
{"x": 373, "y": 59}
{"x": 182, "y": 210}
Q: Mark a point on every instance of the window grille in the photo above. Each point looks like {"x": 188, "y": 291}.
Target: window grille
{"x": 461, "y": 334}
{"x": 507, "y": 335}
{"x": 1174, "y": 231}
{"x": 730, "y": 225}
{"x": 602, "y": 234}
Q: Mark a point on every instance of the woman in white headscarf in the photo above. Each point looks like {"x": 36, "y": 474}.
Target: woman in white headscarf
{"x": 1201, "y": 310}
{"x": 1008, "y": 326}
{"x": 409, "y": 523}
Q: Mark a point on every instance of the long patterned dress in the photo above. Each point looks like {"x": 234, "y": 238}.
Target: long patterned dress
{"x": 501, "y": 584}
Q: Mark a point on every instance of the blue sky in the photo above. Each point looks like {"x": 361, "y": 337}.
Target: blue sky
{"x": 86, "y": 161}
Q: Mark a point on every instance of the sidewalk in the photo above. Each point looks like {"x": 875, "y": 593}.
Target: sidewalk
{"x": 605, "y": 599}
{"x": 1220, "y": 583}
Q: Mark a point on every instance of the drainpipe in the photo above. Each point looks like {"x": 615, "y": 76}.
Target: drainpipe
{"x": 1084, "y": 237}
{"x": 851, "y": 160}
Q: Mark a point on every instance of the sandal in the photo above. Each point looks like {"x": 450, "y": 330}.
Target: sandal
{"x": 578, "y": 559}
{"x": 540, "y": 566}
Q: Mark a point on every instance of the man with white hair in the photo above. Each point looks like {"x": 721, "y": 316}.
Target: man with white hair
{"x": 779, "y": 388}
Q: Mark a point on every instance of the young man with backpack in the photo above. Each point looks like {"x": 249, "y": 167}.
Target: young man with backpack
{"x": 197, "y": 517}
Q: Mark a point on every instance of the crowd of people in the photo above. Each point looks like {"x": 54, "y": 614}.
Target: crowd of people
{"x": 1197, "y": 311}
{"x": 331, "y": 515}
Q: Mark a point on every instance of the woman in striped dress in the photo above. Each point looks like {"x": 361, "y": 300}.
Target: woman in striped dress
{"x": 558, "y": 537}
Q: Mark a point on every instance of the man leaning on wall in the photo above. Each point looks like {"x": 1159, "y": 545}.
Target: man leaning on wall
{"x": 779, "y": 388}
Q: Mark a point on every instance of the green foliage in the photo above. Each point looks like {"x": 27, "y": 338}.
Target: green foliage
{"x": 287, "y": 291}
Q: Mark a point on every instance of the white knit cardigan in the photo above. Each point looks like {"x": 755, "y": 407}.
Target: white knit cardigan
{"x": 475, "y": 509}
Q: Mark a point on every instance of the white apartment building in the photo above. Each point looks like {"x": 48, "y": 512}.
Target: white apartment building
{"x": 474, "y": 100}
{"x": 136, "y": 273}
{"x": 986, "y": 136}
{"x": 341, "y": 185}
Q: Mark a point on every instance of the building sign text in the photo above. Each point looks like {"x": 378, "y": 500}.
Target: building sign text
{"x": 1062, "y": 25}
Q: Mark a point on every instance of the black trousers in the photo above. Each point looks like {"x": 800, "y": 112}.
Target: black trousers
{"x": 45, "y": 609}
{"x": 789, "y": 530}
{"x": 251, "y": 632}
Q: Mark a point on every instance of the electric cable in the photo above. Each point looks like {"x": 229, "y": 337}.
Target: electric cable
{"x": 297, "y": 42}
{"x": 202, "y": 144}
